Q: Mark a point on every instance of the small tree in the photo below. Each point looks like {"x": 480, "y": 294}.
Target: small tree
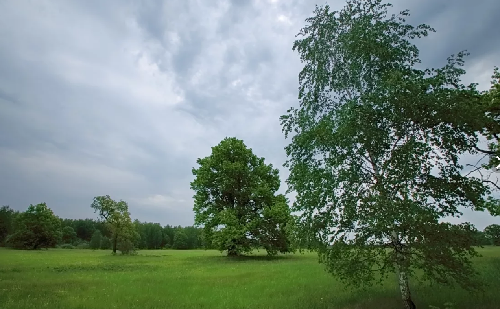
{"x": 492, "y": 232}
{"x": 95, "y": 241}
{"x": 36, "y": 228}
{"x": 68, "y": 235}
{"x": 126, "y": 246}
{"x": 166, "y": 241}
{"x": 7, "y": 216}
{"x": 180, "y": 240}
{"x": 118, "y": 219}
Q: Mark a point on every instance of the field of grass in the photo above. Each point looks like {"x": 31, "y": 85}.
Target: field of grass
{"x": 67, "y": 279}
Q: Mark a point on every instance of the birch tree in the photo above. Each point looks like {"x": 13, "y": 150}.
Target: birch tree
{"x": 372, "y": 160}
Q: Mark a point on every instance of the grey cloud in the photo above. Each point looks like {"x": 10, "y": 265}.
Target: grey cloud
{"x": 122, "y": 97}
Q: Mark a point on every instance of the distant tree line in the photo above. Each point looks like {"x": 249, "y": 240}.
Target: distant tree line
{"x": 38, "y": 227}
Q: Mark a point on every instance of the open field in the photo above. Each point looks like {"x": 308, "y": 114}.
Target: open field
{"x": 67, "y": 279}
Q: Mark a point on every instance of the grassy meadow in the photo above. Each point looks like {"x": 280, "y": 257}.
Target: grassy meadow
{"x": 66, "y": 279}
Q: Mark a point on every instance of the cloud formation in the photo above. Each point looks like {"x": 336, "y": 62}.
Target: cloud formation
{"x": 122, "y": 97}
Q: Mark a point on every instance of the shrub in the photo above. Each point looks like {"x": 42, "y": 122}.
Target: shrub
{"x": 126, "y": 247}
{"x": 95, "y": 241}
{"x": 83, "y": 245}
{"x": 105, "y": 243}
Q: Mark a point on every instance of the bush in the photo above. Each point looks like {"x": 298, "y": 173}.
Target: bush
{"x": 126, "y": 247}
{"x": 95, "y": 241}
{"x": 105, "y": 243}
{"x": 83, "y": 245}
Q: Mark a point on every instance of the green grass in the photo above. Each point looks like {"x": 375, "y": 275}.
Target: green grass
{"x": 68, "y": 279}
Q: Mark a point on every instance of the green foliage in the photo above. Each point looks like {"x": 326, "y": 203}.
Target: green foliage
{"x": 116, "y": 215}
{"x": 168, "y": 232}
{"x": 83, "y": 245}
{"x": 166, "y": 242}
{"x": 482, "y": 239}
{"x": 492, "y": 233}
{"x": 68, "y": 235}
{"x": 95, "y": 241}
{"x": 374, "y": 156}
{"x": 7, "y": 216}
{"x": 36, "y": 228}
{"x": 84, "y": 228}
{"x": 180, "y": 240}
{"x": 126, "y": 247}
{"x": 105, "y": 243}
{"x": 151, "y": 235}
{"x": 274, "y": 235}
{"x": 233, "y": 191}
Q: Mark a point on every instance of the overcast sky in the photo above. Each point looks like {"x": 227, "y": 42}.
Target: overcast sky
{"x": 121, "y": 97}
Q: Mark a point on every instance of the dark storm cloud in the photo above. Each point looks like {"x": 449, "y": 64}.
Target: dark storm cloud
{"x": 122, "y": 97}
{"x": 460, "y": 25}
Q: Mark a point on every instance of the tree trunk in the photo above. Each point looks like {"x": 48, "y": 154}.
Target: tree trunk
{"x": 231, "y": 251}
{"x": 115, "y": 240}
{"x": 405, "y": 290}
{"x": 401, "y": 266}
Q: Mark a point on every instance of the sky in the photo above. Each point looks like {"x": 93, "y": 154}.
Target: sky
{"x": 121, "y": 97}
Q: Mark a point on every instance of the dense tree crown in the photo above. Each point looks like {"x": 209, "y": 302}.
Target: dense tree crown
{"x": 7, "y": 216}
{"x": 374, "y": 156}
{"x": 36, "y": 228}
{"x": 235, "y": 200}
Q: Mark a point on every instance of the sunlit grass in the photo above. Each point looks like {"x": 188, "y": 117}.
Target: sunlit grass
{"x": 67, "y": 279}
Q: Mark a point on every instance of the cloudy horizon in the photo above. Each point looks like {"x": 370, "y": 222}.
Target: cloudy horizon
{"x": 120, "y": 98}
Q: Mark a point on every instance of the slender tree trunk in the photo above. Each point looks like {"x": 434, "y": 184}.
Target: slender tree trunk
{"x": 115, "y": 240}
{"x": 401, "y": 266}
{"x": 405, "y": 290}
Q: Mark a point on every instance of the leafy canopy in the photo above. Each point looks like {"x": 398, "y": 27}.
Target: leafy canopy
{"x": 36, "y": 228}
{"x": 492, "y": 232}
{"x": 235, "y": 200}
{"x": 374, "y": 152}
{"x": 119, "y": 222}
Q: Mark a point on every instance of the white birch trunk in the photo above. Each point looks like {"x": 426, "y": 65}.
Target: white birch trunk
{"x": 403, "y": 277}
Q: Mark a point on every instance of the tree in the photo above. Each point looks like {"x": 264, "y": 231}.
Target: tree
{"x": 180, "y": 240}
{"x": 36, "y": 228}
{"x": 95, "y": 241}
{"x": 154, "y": 235}
{"x": 105, "y": 243}
{"x": 168, "y": 232}
{"x": 7, "y": 216}
{"x": 373, "y": 159}
{"x": 193, "y": 235}
{"x": 118, "y": 218}
{"x": 84, "y": 228}
{"x": 68, "y": 235}
{"x": 492, "y": 232}
{"x": 166, "y": 243}
{"x": 233, "y": 187}
{"x": 482, "y": 239}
